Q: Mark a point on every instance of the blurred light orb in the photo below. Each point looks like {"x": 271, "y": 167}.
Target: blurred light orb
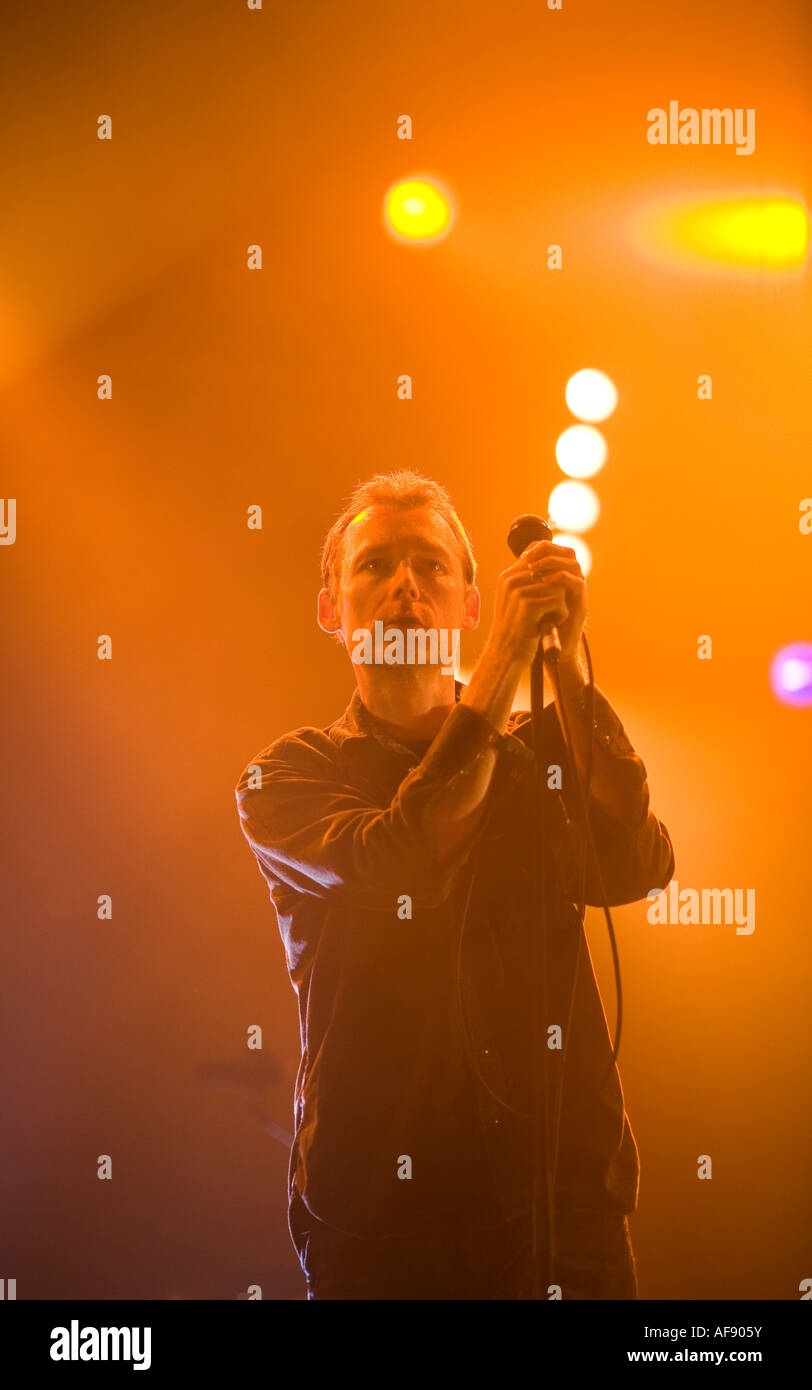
{"x": 583, "y": 554}
{"x": 573, "y": 506}
{"x": 581, "y": 451}
{"x": 791, "y": 674}
{"x": 418, "y": 210}
{"x": 761, "y": 232}
{"x": 754, "y": 232}
{"x": 591, "y": 395}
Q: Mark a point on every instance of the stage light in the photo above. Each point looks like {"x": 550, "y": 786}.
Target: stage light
{"x": 583, "y": 554}
{"x": 574, "y": 506}
{"x": 418, "y": 211}
{"x": 748, "y": 233}
{"x": 791, "y": 674}
{"x": 580, "y": 451}
{"x": 591, "y": 395}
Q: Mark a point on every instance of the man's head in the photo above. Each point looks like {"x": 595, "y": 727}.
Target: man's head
{"x": 400, "y": 554}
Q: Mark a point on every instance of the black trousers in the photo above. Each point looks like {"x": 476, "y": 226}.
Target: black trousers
{"x": 594, "y": 1259}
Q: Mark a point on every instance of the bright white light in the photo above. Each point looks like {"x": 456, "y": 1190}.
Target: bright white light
{"x": 795, "y": 674}
{"x": 583, "y": 554}
{"x": 591, "y": 395}
{"x": 581, "y": 451}
{"x": 574, "y": 506}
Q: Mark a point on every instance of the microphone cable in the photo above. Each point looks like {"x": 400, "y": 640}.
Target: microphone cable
{"x": 587, "y": 842}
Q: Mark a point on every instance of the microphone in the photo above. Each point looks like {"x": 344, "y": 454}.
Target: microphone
{"x": 524, "y": 531}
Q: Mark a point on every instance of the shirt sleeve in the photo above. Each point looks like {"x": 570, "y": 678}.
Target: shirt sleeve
{"x": 318, "y": 835}
{"x": 634, "y": 848}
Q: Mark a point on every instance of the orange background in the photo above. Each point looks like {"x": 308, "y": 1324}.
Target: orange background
{"x": 277, "y": 387}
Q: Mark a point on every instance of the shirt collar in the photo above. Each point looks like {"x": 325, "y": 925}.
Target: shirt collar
{"x": 358, "y": 723}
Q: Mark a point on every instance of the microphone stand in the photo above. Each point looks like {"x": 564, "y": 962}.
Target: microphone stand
{"x": 542, "y": 1208}
{"x": 524, "y": 530}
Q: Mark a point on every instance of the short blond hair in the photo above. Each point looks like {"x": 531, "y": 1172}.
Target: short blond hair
{"x": 404, "y": 488}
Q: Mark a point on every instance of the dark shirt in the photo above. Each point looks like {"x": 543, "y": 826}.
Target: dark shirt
{"x": 405, "y": 1057}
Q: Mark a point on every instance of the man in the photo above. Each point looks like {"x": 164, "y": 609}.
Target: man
{"x": 396, "y": 845}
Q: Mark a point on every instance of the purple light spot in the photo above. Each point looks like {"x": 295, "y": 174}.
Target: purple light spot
{"x": 791, "y": 674}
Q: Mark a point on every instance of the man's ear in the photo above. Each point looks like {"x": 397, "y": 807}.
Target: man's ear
{"x": 472, "y": 608}
{"x": 329, "y": 618}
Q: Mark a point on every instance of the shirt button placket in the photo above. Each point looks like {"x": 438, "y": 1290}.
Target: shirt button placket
{"x": 487, "y": 1060}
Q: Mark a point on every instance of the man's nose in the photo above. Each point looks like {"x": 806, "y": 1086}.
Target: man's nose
{"x": 405, "y": 579}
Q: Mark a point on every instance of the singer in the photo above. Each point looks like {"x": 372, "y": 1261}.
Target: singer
{"x": 412, "y": 1161}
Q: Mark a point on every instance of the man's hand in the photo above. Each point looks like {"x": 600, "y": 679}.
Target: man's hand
{"x": 545, "y": 582}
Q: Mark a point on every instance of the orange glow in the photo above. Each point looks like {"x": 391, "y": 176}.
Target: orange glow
{"x": 183, "y": 514}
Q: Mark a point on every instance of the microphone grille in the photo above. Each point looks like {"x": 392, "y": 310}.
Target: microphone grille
{"x": 525, "y": 530}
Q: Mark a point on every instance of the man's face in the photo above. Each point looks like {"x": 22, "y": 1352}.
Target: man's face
{"x": 404, "y": 568}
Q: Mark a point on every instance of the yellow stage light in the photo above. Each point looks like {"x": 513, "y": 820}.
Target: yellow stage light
{"x": 746, "y": 232}
{"x": 574, "y": 506}
{"x": 591, "y": 395}
{"x": 418, "y": 210}
{"x": 580, "y": 451}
